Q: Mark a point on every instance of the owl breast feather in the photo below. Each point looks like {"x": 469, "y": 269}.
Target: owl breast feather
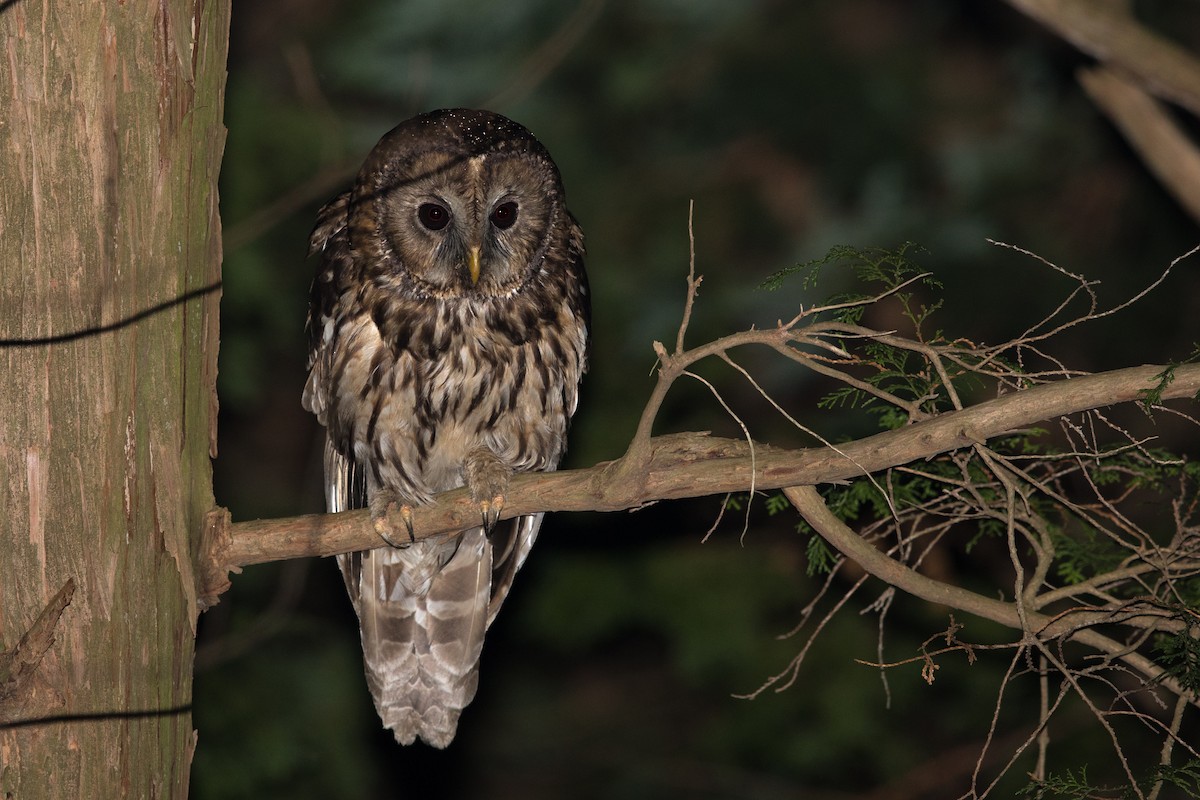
{"x": 415, "y": 413}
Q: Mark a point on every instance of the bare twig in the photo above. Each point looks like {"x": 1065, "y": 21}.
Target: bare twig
{"x": 670, "y": 366}
{"x": 1168, "y": 747}
{"x": 693, "y": 282}
{"x": 808, "y": 502}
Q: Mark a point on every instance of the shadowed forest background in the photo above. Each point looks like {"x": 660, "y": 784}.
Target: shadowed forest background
{"x": 794, "y": 127}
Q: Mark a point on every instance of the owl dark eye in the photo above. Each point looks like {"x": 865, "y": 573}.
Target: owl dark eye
{"x": 433, "y": 216}
{"x": 504, "y": 215}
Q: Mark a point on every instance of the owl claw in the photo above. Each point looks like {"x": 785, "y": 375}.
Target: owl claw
{"x": 384, "y": 524}
{"x": 489, "y": 511}
{"x": 487, "y": 477}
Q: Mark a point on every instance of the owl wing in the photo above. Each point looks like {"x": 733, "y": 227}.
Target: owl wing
{"x": 511, "y": 541}
{"x": 329, "y": 238}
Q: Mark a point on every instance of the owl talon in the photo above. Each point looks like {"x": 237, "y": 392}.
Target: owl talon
{"x": 487, "y": 477}
{"x": 489, "y": 511}
{"x": 386, "y": 529}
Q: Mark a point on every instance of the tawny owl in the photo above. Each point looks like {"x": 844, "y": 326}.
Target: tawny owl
{"x": 449, "y": 331}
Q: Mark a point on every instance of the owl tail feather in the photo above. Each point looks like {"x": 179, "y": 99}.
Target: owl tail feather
{"x": 421, "y": 643}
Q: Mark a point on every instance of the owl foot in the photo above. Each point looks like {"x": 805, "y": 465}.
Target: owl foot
{"x": 487, "y": 478}
{"x": 387, "y": 515}
{"x": 489, "y": 511}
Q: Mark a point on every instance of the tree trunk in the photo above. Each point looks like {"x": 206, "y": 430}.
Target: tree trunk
{"x": 110, "y": 143}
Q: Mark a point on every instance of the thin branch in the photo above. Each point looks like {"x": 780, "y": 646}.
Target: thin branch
{"x": 857, "y": 303}
{"x": 670, "y": 366}
{"x": 1168, "y": 747}
{"x": 1093, "y": 313}
{"x": 783, "y": 680}
{"x": 1043, "y": 738}
{"x": 745, "y": 431}
{"x": 808, "y": 502}
{"x": 693, "y": 282}
{"x": 1072, "y": 677}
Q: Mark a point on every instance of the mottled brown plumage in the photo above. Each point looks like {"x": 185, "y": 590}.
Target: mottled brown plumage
{"x": 449, "y": 326}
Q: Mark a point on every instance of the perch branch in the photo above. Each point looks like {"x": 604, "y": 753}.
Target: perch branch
{"x": 682, "y": 465}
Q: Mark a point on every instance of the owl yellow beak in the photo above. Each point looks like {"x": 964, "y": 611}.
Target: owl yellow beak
{"x": 473, "y": 264}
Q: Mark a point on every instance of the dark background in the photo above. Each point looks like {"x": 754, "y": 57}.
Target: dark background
{"x": 794, "y": 127}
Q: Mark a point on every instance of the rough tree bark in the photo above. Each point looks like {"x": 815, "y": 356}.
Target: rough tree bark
{"x": 111, "y": 137}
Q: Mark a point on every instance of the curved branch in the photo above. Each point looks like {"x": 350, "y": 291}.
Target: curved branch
{"x": 684, "y": 465}
{"x": 812, "y": 507}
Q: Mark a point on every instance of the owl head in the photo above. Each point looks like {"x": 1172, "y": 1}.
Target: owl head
{"x": 457, "y": 203}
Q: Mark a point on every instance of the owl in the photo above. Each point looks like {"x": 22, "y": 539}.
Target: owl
{"x": 448, "y": 333}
